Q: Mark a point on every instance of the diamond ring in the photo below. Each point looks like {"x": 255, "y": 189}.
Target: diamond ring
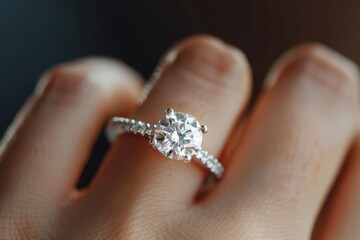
{"x": 177, "y": 136}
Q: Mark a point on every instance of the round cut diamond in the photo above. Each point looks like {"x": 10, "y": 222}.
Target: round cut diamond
{"x": 178, "y": 136}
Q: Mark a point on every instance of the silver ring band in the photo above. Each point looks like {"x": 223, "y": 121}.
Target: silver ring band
{"x": 120, "y": 125}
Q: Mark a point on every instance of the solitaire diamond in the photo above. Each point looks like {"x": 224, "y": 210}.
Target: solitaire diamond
{"x": 178, "y": 135}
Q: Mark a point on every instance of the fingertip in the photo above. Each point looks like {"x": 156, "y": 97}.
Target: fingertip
{"x": 202, "y": 40}
{"x": 337, "y": 71}
{"x": 213, "y": 60}
{"x": 97, "y": 69}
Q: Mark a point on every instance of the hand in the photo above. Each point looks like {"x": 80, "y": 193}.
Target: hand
{"x": 280, "y": 163}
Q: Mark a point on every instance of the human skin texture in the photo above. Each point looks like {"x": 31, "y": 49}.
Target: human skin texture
{"x": 282, "y": 158}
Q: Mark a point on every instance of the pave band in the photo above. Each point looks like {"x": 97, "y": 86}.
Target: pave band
{"x": 170, "y": 139}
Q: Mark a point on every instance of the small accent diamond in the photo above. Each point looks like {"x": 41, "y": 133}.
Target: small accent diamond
{"x": 142, "y": 128}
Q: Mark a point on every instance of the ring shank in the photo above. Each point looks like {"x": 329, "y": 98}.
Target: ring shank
{"x": 120, "y": 125}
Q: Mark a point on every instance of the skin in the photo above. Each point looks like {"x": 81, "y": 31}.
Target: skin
{"x": 284, "y": 160}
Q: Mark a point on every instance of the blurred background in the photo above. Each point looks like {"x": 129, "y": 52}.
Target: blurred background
{"x": 37, "y": 34}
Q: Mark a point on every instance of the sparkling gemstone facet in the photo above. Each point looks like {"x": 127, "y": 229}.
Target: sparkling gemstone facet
{"x": 178, "y": 136}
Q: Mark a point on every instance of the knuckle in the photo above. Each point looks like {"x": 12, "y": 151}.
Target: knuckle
{"x": 20, "y": 226}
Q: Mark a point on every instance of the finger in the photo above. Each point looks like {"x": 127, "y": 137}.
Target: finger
{"x": 341, "y": 216}
{"x": 209, "y": 80}
{"x": 167, "y": 59}
{"x": 293, "y": 145}
{"x": 48, "y": 152}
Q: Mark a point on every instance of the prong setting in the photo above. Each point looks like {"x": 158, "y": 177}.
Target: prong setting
{"x": 169, "y": 111}
{"x": 152, "y": 141}
{"x": 204, "y": 129}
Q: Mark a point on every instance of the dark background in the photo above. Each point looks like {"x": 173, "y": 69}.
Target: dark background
{"x": 36, "y": 34}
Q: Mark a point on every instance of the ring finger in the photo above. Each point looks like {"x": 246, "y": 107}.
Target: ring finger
{"x": 209, "y": 80}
